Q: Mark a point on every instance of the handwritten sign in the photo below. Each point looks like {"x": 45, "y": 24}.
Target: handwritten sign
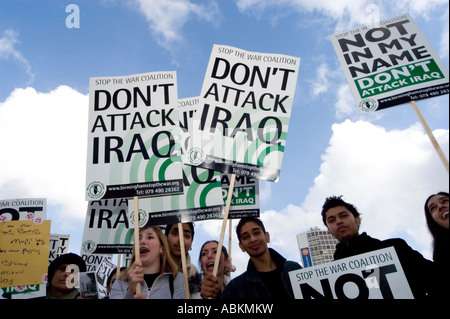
{"x": 24, "y": 248}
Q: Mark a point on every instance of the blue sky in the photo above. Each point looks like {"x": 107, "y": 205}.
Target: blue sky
{"x": 382, "y": 162}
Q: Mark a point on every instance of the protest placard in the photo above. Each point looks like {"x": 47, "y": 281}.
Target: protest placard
{"x": 103, "y": 272}
{"x": 390, "y": 62}
{"x": 24, "y": 247}
{"x": 108, "y": 228}
{"x": 59, "y": 244}
{"x": 23, "y": 209}
{"x": 245, "y": 196}
{"x": 133, "y": 139}
{"x": 374, "y": 275}
{"x": 23, "y": 292}
{"x": 245, "y": 106}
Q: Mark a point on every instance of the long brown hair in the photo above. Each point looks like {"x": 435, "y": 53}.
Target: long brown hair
{"x": 166, "y": 262}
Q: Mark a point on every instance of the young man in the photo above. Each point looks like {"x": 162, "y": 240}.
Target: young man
{"x": 343, "y": 220}
{"x": 57, "y": 274}
{"x": 267, "y": 275}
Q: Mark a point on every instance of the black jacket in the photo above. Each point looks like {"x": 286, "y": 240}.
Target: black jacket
{"x": 421, "y": 273}
{"x": 250, "y": 286}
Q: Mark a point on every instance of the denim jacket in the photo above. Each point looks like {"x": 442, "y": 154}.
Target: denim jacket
{"x": 249, "y": 285}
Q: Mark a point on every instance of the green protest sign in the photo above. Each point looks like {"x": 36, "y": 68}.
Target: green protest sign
{"x": 388, "y": 63}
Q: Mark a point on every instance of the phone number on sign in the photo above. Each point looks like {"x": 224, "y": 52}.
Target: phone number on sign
{"x": 161, "y": 190}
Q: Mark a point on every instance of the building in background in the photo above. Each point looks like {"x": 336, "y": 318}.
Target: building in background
{"x": 316, "y": 247}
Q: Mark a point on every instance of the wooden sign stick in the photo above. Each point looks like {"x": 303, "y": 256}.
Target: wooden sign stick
{"x": 137, "y": 256}
{"x": 230, "y": 224}
{"x": 431, "y": 136}
{"x": 224, "y": 224}
{"x": 183, "y": 260}
{"x": 118, "y": 265}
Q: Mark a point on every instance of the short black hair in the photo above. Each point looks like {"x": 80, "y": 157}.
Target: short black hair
{"x": 244, "y": 221}
{"x": 334, "y": 201}
{"x": 113, "y": 272}
{"x": 169, "y": 227}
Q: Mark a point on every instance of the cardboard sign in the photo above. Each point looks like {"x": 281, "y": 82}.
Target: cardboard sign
{"x": 242, "y": 122}
{"x": 133, "y": 140}
{"x": 108, "y": 228}
{"x": 390, "y": 63}
{"x": 374, "y": 275}
{"x": 24, "y": 248}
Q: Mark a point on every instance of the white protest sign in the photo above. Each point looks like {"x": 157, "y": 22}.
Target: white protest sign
{"x": 59, "y": 244}
{"x": 23, "y": 209}
{"x": 133, "y": 140}
{"x": 202, "y": 191}
{"x": 108, "y": 227}
{"x": 94, "y": 261}
{"x": 390, "y": 63}
{"x": 242, "y": 122}
{"x": 374, "y": 275}
{"x": 103, "y": 272}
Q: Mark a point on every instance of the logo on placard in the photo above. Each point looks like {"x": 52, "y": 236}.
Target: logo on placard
{"x": 196, "y": 156}
{"x": 368, "y": 105}
{"x": 143, "y": 218}
{"x": 89, "y": 246}
{"x": 96, "y": 190}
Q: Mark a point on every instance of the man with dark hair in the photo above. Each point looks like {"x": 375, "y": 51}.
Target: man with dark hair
{"x": 343, "y": 220}
{"x": 267, "y": 275}
{"x": 57, "y": 274}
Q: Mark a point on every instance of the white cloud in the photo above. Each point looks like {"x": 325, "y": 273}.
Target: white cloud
{"x": 167, "y": 18}
{"x": 43, "y": 143}
{"x": 8, "y": 50}
{"x": 321, "y": 83}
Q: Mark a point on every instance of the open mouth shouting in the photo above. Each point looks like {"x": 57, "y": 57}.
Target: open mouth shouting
{"x": 143, "y": 251}
{"x": 210, "y": 266}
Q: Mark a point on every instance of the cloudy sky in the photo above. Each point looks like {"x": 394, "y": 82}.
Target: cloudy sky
{"x": 382, "y": 162}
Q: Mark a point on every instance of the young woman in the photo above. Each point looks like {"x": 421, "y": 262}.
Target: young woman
{"x": 206, "y": 260}
{"x": 156, "y": 272}
{"x": 436, "y": 214}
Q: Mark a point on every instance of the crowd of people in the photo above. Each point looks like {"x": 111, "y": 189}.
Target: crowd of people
{"x": 157, "y": 273}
